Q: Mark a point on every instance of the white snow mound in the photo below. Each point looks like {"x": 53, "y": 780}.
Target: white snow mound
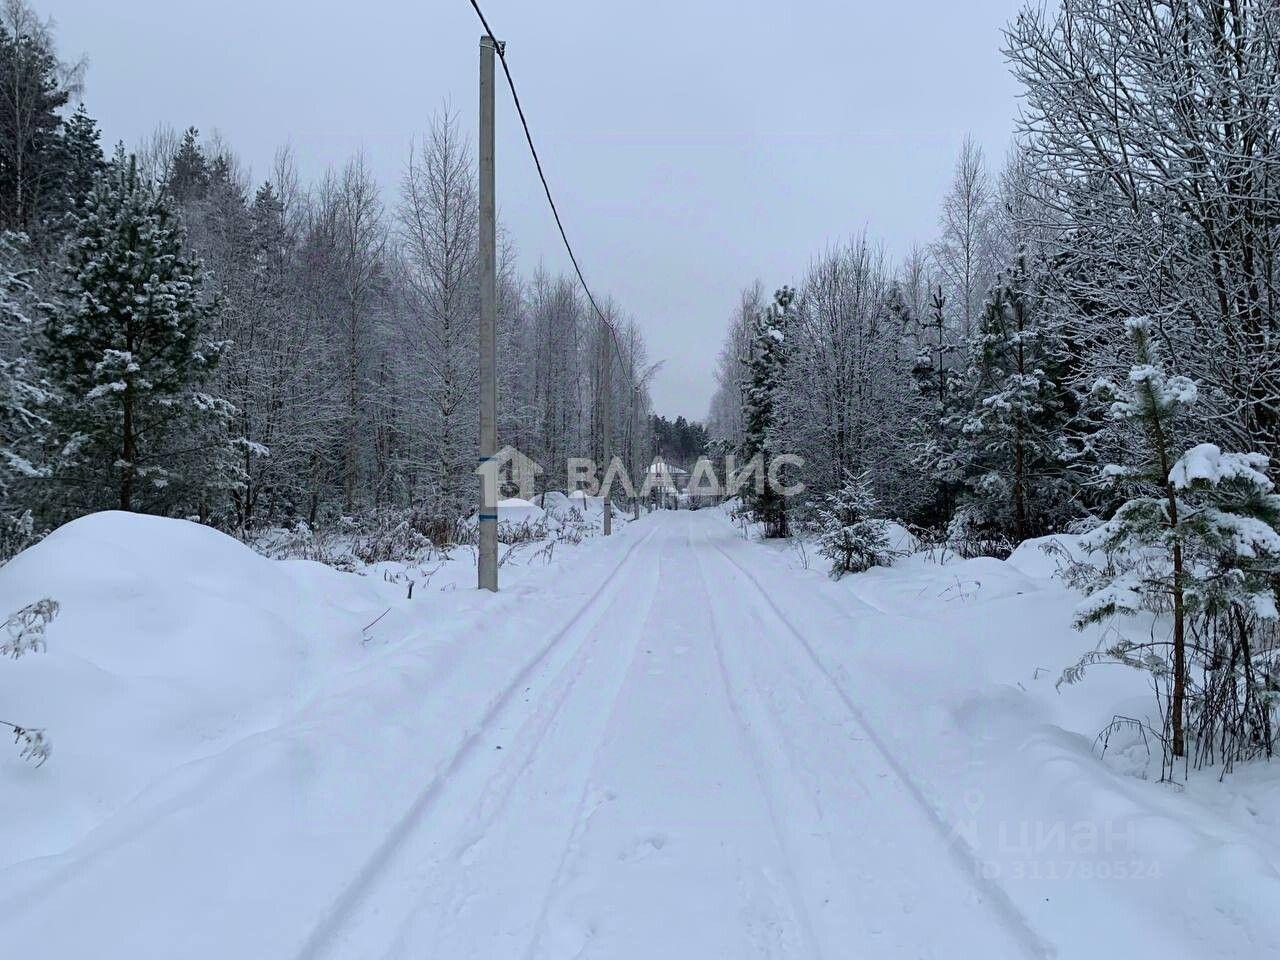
{"x": 172, "y": 640}
{"x": 515, "y": 510}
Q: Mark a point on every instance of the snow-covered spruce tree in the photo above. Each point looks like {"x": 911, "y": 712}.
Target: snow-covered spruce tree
{"x": 81, "y": 158}
{"x": 1196, "y": 541}
{"x": 933, "y": 436}
{"x": 187, "y": 179}
{"x": 851, "y": 537}
{"x": 1008, "y": 448}
{"x": 129, "y": 351}
{"x": 763, "y": 405}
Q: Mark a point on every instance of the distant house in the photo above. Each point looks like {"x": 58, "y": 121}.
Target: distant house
{"x": 670, "y": 478}
{"x": 671, "y": 482}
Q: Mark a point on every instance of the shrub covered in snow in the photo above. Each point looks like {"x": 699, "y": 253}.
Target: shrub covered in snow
{"x": 24, "y": 633}
{"x": 351, "y": 543}
{"x": 972, "y": 532}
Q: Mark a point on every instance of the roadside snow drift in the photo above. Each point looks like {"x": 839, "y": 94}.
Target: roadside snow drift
{"x": 172, "y": 642}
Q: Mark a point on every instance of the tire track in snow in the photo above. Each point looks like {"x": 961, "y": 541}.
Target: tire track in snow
{"x": 799, "y": 904}
{"x": 581, "y": 816}
{"x": 495, "y": 802}
{"x": 323, "y": 936}
{"x": 991, "y": 893}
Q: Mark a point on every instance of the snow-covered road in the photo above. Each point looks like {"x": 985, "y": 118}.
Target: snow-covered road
{"x": 683, "y": 778}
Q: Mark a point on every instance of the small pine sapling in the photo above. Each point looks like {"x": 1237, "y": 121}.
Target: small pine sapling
{"x": 1197, "y": 541}
{"x": 851, "y": 537}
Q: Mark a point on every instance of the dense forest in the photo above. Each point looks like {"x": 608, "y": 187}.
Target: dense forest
{"x": 179, "y": 338}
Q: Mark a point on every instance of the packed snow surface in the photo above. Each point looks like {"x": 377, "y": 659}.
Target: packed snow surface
{"x": 673, "y": 743}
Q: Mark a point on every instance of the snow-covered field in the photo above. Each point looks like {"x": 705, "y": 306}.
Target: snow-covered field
{"x": 673, "y": 743}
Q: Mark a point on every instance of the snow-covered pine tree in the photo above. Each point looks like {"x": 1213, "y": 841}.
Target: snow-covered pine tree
{"x": 1008, "y": 449}
{"x": 851, "y": 537}
{"x": 763, "y": 408}
{"x": 1197, "y": 541}
{"x": 1230, "y": 515}
{"x": 1142, "y": 541}
{"x": 130, "y": 353}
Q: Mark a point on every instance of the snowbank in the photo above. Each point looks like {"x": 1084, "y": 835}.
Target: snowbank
{"x": 173, "y": 640}
{"x": 554, "y": 501}
{"x": 581, "y": 501}
{"x": 577, "y": 505}
{"x": 515, "y": 510}
{"x": 1046, "y": 557}
{"x": 899, "y": 538}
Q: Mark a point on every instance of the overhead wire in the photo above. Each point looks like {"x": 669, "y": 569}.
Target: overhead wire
{"x": 500, "y": 47}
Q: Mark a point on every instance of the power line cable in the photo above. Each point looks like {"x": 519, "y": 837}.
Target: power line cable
{"x": 546, "y": 187}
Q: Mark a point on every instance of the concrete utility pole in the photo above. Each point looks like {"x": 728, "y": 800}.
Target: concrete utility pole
{"x": 488, "y": 560}
{"x": 606, "y": 421}
{"x": 633, "y": 419}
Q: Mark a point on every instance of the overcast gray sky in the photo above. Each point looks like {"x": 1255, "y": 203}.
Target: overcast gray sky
{"x": 694, "y": 146}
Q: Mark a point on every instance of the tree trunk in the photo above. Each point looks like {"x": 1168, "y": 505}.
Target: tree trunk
{"x": 128, "y": 450}
{"x": 1178, "y": 700}
{"x": 1019, "y": 494}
